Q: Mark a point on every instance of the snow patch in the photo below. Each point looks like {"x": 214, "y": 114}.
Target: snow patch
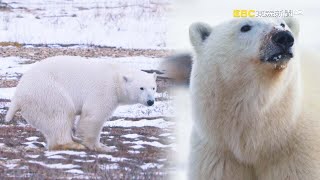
{"x": 56, "y": 166}
{"x": 160, "y": 108}
{"x": 51, "y": 153}
{"x": 151, "y": 165}
{"x": 32, "y": 138}
{"x": 125, "y": 23}
{"x": 137, "y": 146}
{"x": 11, "y": 67}
{"x": 111, "y": 157}
{"x": 32, "y": 156}
{"x": 11, "y": 166}
{"x": 131, "y": 136}
{"x": 153, "y": 138}
{"x": 153, "y": 143}
{"x": 56, "y": 157}
{"x": 160, "y": 123}
{"x": 31, "y": 144}
{"x": 134, "y": 152}
{"x": 7, "y": 93}
{"x": 165, "y": 134}
{"x": 75, "y": 171}
{"x": 81, "y": 160}
{"x": 109, "y": 166}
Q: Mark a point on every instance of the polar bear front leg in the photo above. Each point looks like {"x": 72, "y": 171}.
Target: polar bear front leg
{"x": 89, "y": 129}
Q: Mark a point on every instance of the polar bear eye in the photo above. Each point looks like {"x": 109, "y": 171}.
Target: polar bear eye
{"x": 141, "y": 88}
{"x": 282, "y": 25}
{"x": 245, "y": 28}
{"x": 153, "y": 88}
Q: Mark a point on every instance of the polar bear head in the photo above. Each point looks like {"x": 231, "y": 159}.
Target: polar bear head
{"x": 245, "y": 47}
{"x": 139, "y": 87}
{"x": 245, "y": 84}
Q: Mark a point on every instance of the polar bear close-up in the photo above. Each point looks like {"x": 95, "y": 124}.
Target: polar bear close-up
{"x": 252, "y": 113}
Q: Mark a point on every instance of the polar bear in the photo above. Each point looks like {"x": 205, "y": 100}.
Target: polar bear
{"x": 56, "y": 90}
{"x": 254, "y": 116}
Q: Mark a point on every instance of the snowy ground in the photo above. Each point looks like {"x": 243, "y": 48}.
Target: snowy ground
{"x": 142, "y": 137}
{"x": 134, "y": 31}
{"x": 125, "y": 23}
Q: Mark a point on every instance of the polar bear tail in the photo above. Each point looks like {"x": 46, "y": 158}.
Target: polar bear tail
{"x": 12, "y": 110}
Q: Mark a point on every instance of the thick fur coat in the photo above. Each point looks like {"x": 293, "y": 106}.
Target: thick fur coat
{"x": 254, "y": 111}
{"x": 52, "y": 93}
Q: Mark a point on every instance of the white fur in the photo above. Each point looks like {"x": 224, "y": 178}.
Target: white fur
{"x": 57, "y": 89}
{"x": 251, "y": 121}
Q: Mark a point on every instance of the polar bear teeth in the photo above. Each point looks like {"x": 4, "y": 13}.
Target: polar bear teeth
{"x": 277, "y": 58}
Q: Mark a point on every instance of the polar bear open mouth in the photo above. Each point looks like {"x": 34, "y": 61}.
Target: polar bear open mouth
{"x": 280, "y": 57}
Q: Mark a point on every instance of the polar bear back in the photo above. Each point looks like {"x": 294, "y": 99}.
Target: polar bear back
{"x": 79, "y": 77}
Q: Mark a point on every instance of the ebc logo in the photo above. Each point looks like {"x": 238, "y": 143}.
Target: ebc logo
{"x": 243, "y": 13}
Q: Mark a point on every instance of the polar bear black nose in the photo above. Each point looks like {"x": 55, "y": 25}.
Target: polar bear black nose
{"x": 150, "y": 102}
{"x": 283, "y": 39}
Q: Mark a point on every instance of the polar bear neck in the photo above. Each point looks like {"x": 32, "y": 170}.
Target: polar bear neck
{"x": 120, "y": 89}
{"x": 249, "y": 117}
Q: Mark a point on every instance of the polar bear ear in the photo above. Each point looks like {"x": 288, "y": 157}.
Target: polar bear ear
{"x": 155, "y": 75}
{"x": 293, "y": 24}
{"x": 126, "y": 79}
{"x": 198, "y": 33}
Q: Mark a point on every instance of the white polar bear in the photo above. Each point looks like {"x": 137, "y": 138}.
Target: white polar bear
{"x": 55, "y": 90}
{"x": 253, "y": 116}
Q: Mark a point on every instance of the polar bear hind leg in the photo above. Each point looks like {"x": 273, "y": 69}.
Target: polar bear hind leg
{"x": 51, "y": 110}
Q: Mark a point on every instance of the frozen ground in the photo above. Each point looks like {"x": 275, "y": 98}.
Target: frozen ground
{"x": 134, "y": 31}
{"x": 124, "y": 23}
{"x": 142, "y": 137}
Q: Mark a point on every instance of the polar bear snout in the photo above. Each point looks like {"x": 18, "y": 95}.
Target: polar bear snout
{"x": 283, "y": 39}
{"x": 277, "y": 47}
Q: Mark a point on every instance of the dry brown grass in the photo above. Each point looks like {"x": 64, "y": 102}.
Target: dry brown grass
{"x": 20, "y": 161}
{"x": 14, "y": 44}
{"x": 14, "y": 151}
{"x": 41, "y": 51}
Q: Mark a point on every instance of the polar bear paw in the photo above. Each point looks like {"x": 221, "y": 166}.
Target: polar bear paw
{"x": 102, "y": 148}
{"x": 68, "y": 146}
